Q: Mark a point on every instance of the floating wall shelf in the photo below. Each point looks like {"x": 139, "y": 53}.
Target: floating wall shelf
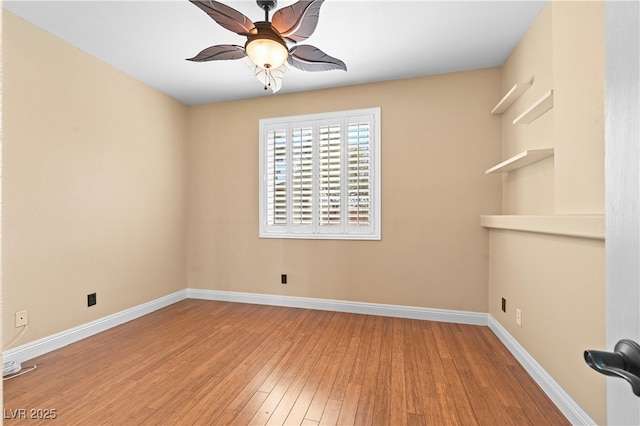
{"x": 542, "y": 105}
{"x": 523, "y": 159}
{"x": 580, "y": 226}
{"x": 512, "y": 95}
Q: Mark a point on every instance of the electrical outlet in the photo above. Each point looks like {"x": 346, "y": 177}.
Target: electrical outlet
{"x": 22, "y": 318}
{"x": 518, "y": 317}
{"x": 91, "y": 299}
{"x": 504, "y": 305}
{"x": 283, "y": 278}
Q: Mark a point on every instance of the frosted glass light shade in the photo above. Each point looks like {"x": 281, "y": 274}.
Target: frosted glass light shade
{"x": 266, "y": 53}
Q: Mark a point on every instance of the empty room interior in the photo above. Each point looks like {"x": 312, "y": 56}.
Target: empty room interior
{"x": 121, "y": 202}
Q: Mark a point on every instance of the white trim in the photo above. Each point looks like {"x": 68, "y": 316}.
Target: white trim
{"x": 412, "y": 312}
{"x": 572, "y": 411}
{"x": 342, "y": 231}
{"x": 622, "y": 195}
{"x": 72, "y": 335}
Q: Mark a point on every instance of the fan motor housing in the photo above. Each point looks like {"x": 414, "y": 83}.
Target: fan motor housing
{"x": 265, "y": 30}
{"x": 266, "y": 4}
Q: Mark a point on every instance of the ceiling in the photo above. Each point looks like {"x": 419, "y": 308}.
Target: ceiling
{"x": 378, "y": 40}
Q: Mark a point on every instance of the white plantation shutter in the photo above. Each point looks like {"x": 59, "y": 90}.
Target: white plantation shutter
{"x": 320, "y": 176}
{"x": 359, "y": 173}
{"x": 329, "y": 177}
{"x": 302, "y": 176}
{"x": 277, "y": 177}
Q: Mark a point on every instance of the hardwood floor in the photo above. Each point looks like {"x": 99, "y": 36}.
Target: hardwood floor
{"x": 210, "y": 363}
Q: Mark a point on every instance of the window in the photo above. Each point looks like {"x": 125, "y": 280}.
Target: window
{"x": 320, "y": 176}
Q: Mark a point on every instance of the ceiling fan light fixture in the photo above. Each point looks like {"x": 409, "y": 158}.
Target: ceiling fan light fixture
{"x": 266, "y": 48}
{"x": 267, "y": 41}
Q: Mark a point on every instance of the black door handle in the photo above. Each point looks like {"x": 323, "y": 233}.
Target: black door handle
{"x": 624, "y": 362}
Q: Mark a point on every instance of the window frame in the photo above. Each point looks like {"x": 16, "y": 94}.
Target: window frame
{"x": 344, "y": 231}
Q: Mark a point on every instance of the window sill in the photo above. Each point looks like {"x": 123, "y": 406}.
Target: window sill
{"x": 352, "y": 237}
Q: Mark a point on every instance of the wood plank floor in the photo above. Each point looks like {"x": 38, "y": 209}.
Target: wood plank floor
{"x": 210, "y": 363}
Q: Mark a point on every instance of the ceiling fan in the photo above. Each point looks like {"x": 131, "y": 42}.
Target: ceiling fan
{"x": 270, "y": 45}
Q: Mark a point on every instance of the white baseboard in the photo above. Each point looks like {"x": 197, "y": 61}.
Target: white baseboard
{"x": 571, "y": 410}
{"x": 64, "y": 338}
{"x": 58, "y": 340}
{"x": 574, "y": 413}
{"x": 441, "y": 315}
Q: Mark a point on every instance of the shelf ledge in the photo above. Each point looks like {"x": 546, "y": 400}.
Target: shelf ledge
{"x": 578, "y": 226}
{"x": 542, "y": 105}
{"x": 523, "y": 159}
{"x": 512, "y": 95}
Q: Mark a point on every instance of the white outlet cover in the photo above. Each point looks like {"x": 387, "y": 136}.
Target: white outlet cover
{"x": 22, "y": 318}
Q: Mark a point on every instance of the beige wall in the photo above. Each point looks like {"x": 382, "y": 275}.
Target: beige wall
{"x": 529, "y": 190}
{"x": 557, "y": 282}
{"x": 111, "y": 187}
{"x": 1, "y": 132}
{"x": 437, "y": 140}
{"x": 94, "y": 176}
{"x": 94, "y": 195}
{"x": 578, "y": 74}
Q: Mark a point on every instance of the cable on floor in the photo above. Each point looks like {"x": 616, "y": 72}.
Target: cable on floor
{"x": 11, "y": 369}
{"x": 25, "y": 371}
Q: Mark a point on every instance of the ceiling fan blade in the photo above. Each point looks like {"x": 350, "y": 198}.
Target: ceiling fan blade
{"x": 271, "y": 78}
{"x": 220, "y": 52}
{"x": 298, "y": 21}
{"x": 226, "y": 16}
{"x": 310, "y": 58}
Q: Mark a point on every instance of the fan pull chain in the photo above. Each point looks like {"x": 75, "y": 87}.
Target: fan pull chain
{"x": 267, "y": 80}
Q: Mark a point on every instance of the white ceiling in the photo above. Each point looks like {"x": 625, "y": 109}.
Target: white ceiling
{"x": 378, "y": 40}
